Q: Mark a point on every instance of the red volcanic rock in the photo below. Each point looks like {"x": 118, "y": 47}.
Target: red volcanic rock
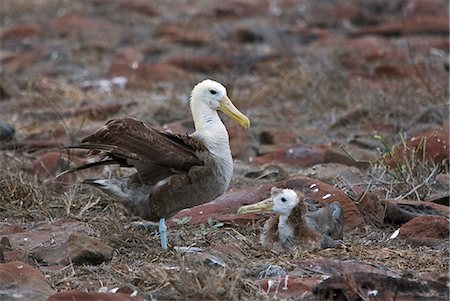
{"x": 224, "y": 208}
{"x": 328, "y": 266}
{"x": 247, "y": 35}
{"x": 330, "y": 173}
{"x": 75, "y": 295}
{"x": 425, "y": 7}
{"x": 330, "y": 14}
{"x": 241, "y": 142}
{"x": 287, "y": 287}
{"x": 128, "y": 63}
{"x": 239, "y": 8}
{"x": 426, "y": 231}
{"x": 375, "y": 286}
{"x": 335, "y": 154}
{"x": 78, "y": 249}
{"x": 14, "y": 62}
{"x": 49, "y": 164}
{"x": 369, "y": 204}
{"x": 44, "y": 234}
{"x": 19, "y": 281}
{"x": 75, "y": 22}
{"x": 400, "y": 212}
{"x": 432, "y": 145}
{"x": 205, "y": 63}
{"x": 415, "y": 25}
{"x": 139, "y": 8}
{"x": 306, "y": 155}
{"x": 301, "y": 154}
{"x": 178, "y": 34}
{"x": 20, "y": 32}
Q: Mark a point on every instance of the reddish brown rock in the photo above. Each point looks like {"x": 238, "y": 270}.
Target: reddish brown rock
{"x": 49, "y": 164}
{"x": 224, "y": 208}
{"x": 417, "y": 25}
{"x": 241, "y": 142}
{"x": 182, "y": 35}
{"x": 362, "y": 285}
{"x": 44, "y": 234}
{"x": 20, "y": 32}
{"x": 75, "y": 22}
{"x": 303, "y": 155}
{"x": 138, "y": 8}
{"x": 306, "y": 155}
{"x": 14, "y": 62}
{"x": 430, "y": 231}
{"x": 75, "y": 295}
{"x": 205, "y": 63}
{"x": 425, "y": 7}
{"x": 128, "y": 63}
{"x": 331, "y": 13}
{"x": 368, "y": 203}
{"x": 78, "y": 249}
{"x": 287, "y": 287}
{"x": 400, "y": 212}
{"x": 352, "y": 155}
{"x": 335, "y": 173}
{"x": 432, "y": 146}
{"x": 329, "y": 266}
{"x": 239, "y": 8}
{"x": 19, "y": 281}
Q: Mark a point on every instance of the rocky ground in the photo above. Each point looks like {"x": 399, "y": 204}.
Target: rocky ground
{"x": 348, "y": 102}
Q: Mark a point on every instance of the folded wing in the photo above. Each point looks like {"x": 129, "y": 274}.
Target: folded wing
{"x": 156, "y": 155}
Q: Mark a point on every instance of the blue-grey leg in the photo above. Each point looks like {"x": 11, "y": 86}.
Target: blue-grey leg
{"x": 163, "y": 233}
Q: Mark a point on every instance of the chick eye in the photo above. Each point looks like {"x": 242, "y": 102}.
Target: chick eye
{"x": 213, "y": 92}
{"x": 283, "y": 200}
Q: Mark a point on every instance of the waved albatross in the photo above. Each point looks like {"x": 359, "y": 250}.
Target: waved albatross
{"x": 299, "y": 224}
{"x": 173, "y": 171}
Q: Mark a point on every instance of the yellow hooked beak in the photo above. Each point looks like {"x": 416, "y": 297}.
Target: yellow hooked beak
{"x": 263, "y": 206}
{"x": 228, "y": 108}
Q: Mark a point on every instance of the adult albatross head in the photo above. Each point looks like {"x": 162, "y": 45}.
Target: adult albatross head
{"x": 209, "y": 96}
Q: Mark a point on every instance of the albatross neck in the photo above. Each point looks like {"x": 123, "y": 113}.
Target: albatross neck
{"x": 207, "y": 121}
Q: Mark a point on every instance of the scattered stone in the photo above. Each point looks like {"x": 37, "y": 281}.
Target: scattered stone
{"x": 363, "y": 285}
{"x": 6, "y": 132}
{"x": 20, "y": 32}
{"x": 138, "y": 8}
{"x": 330, "y": 266}
{"x": 432, "y": 146}
{"x": 78, "y": 249}
{"x": 239, "y": 8}
{"x": 73, "y": 23}
{"x": 42, "y": 234}
{"x": 432, "y": 231}
{"x": 335, "y": 173}
{"x": 75, "y": 295}
{"x": 303, "y": 155}
{"x": 16, "y": 62}
{"x": 182, "y": 35}
{"x": 409, "y": 26}
{"x": 19, "y": 281}
{"x": 400, "y": 212}
{"x": 205, "y": 63}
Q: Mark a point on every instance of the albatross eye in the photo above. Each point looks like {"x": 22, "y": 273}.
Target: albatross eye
{"x": 283, "y": 200}
{"x": 213, "y": 92}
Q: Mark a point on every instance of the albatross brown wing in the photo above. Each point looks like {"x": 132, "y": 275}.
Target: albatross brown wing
{"x": 156, "y": 155}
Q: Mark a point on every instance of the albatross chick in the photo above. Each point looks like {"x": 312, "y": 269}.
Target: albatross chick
{"x": 173, "y": 171}
{"x": 298, "y": 225}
